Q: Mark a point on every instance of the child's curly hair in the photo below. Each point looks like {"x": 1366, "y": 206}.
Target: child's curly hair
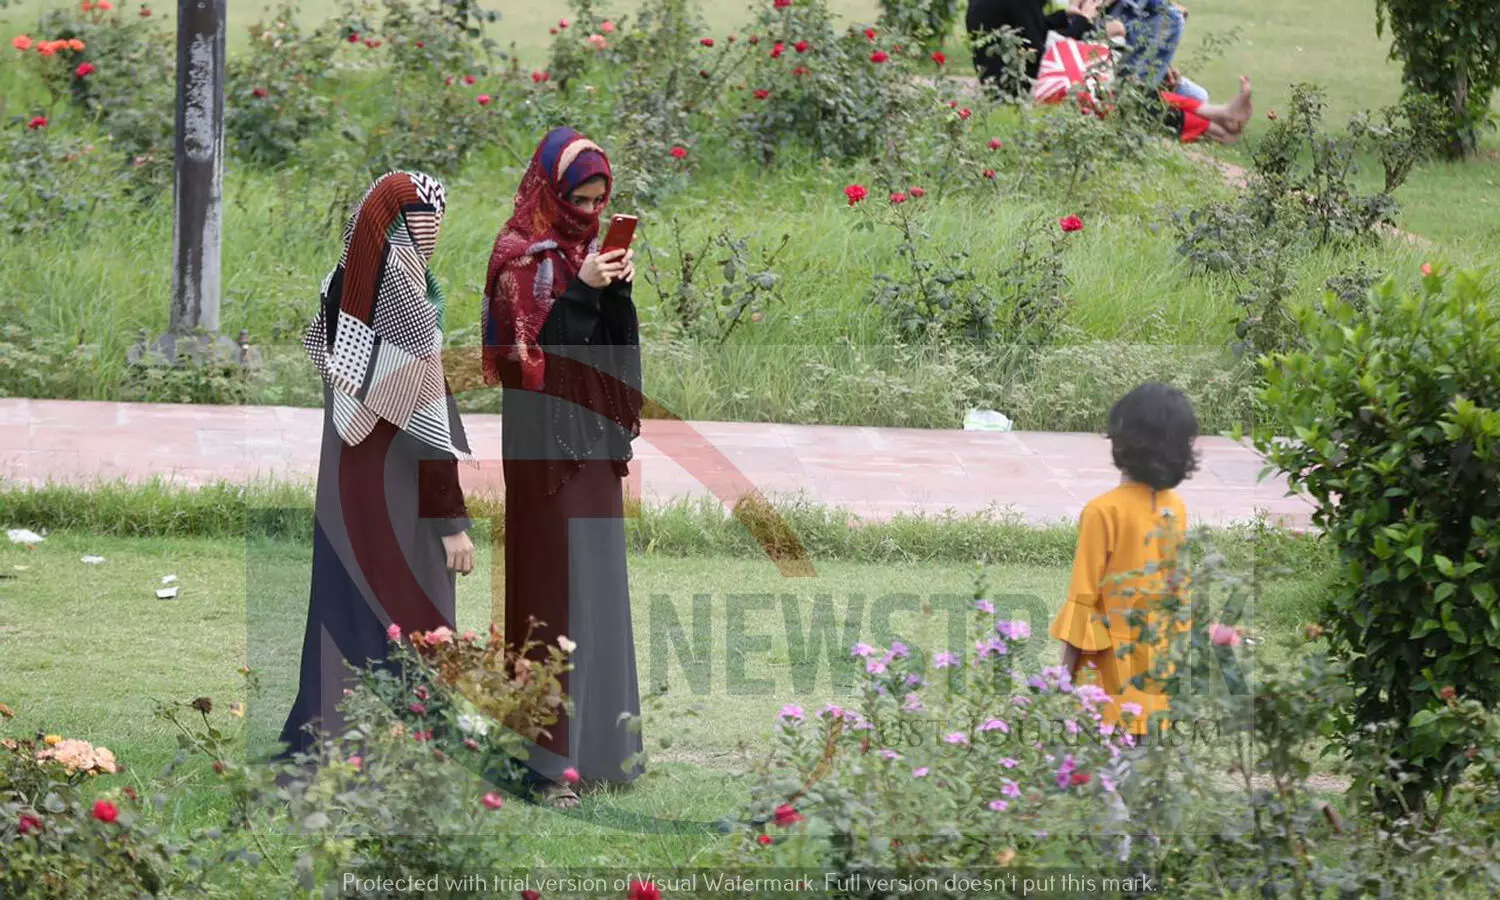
{"x": 1153, "y": 429}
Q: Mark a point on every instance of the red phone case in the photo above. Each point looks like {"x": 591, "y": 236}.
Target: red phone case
{"x": 621, "y": 234}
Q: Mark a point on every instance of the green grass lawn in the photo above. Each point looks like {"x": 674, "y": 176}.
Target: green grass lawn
{"x": 89, "y": 649}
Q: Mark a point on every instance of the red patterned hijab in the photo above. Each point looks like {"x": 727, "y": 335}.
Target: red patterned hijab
{"x": 539, "y": 252}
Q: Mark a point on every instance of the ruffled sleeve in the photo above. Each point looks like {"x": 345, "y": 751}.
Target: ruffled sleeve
{"x": 1080, "y": 622}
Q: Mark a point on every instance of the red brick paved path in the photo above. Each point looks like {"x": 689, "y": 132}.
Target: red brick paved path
{"x": 873, "y": 472}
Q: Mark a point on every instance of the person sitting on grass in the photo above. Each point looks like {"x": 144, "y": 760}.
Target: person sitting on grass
{"x": 1031, "y": 19}
{"x": 1125, "y": 538}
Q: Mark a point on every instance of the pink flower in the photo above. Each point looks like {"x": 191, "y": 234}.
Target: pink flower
{"x": 421, "y": 737}
{"x": 471, "y": 744}
{"x": 985, "y": 607}
{"x": 791, "y": 711}
{"x": 563, "y": 23}
{"x": 104, "y": 5}
{"x": 358, "y": 762}
{"x": 957, "y": 737}
{"x": 918, "y": 193}
{"x": 470, "y": 636}
{"x": 999, "y": 725}
{"x": 890, "y": 754}
{"x": 1008, "y": 763}
{"x": 1427, "y": 269}
{"x": 679, "y": 152}
{"x": 1070, "y": 224}
{"x": 1131, "y": 709}
{"x": 880, "y": 56}
{"x": 570, "y": 775}
{"x": 483, "y": 99}
{"x": 786, "y": 814}
{"x": 919, "y": 773}
{"x": 1224, "y": 635}
{"x": 856, "y": 193}
{"x": 418, "y": 709}
{"x": 1010, "y": 788}
{"x": 965, "y": 114}
{"x": 21, "y": 42}
{"x": 607, "y": 27}
{"x": 598, "y": 41}
{"x": 394, "y": 632}
{"x": 999, "y": 805}
{"x": 996, "y": 143}
{"x": 833, "y": 710}
{"x": 441, "y": 635}
{"x": 28, "y": 824}
{"x": 875, "y": 666}
{"x": 913, "y": 704}
{"x": 492, "y": 801}
{"x": 944, "y": 661}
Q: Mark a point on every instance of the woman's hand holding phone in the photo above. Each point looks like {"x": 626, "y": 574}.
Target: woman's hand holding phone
{"x": 599, "y": 270}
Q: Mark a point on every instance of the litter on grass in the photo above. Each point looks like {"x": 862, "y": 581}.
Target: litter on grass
{"x": 24, "y": 536}
{"x": 167, "y": 594}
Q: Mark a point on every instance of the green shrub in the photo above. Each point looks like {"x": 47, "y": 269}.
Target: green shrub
{"x": 1396, "y": 415}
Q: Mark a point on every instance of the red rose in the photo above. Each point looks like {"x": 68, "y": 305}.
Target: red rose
{"x": 259, "y": 93}
{"x": 870, "y": 33}
{"x": 1271, "y": 115}
{"x": 643, "y": 890}
{"x": 855, "y": 193}
{"x": 145, "y": 12}
{"x": 38, "y": 122}
{"x": 707, "y": 42}
{"x": 84, "y": 70}
{"x": 754, "y": 39}
{"x": 218, "y": 767}
{"x": 448, "y": 81}
{"x": 965, "y": 113}
{"x": 918, "y": 193}
{"x": 783, "y": 4}
{"x": 354, "y": 38}
{"x": 996, "y": 144}
{"x": 469, "y": 79}
{"x": 1448, "y": 693}
{"x": 482, "y": 100}
{"x": 492, "y": 801}
{"x": 989, "y": 173}
{"x": 940, "y": 58}
{"x": 763, "y": 840}
{"x": 372, "y": 43}
{"x": 786, "y": 814}
{"x": 552, "y": 31}
{"x": 801, "y": 70}
{"x": 530, "y": 895}
{"x": 1426, "y": 268}
{"x": 105, "y": 812}
{"x": 777, "y": 50}
{"x": 1080, "y": 778}
{"x": 898, "y": 198}
{"x": 762, "y": 94}
{"x": 1071, "y": 224}
{"x": 879, "y": 56}
{"x": 732, "y": 39}
{"x": 418, "y": 709}
{"x": 471, "y": 744}
{"x": 540, "y": 77}
{"x": 802, "y": 46}
{"x": 563, "y": 23}
{"x": 28, "y": 824}
{"x": 953, "y": 104}
{"x": 679, "y": 153}
{"x": 421, "y": 45}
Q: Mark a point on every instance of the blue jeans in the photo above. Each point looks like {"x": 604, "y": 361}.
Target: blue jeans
{"x": 1153, "y": 31}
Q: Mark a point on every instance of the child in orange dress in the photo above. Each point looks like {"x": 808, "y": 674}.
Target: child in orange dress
{"x": 1135, "y": 527}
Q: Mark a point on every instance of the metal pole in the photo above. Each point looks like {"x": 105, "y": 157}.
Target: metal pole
{"x": 199, "y": 168}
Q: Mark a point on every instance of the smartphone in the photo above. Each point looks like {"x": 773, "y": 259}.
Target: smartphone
{"x": 621, "y": 234}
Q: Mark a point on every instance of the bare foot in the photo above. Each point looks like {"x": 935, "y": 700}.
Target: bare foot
{"x": 1240, "y": 108}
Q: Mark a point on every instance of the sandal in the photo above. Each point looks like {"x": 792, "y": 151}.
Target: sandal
{"x": 560, "y": 796}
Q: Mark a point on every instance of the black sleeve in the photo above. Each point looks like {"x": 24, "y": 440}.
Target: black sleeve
{"x": 574, "y": 316}
{"x": 1076, "y": 27}
{"x": 440, "y": 498}
{"x": 619, "y": 314}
